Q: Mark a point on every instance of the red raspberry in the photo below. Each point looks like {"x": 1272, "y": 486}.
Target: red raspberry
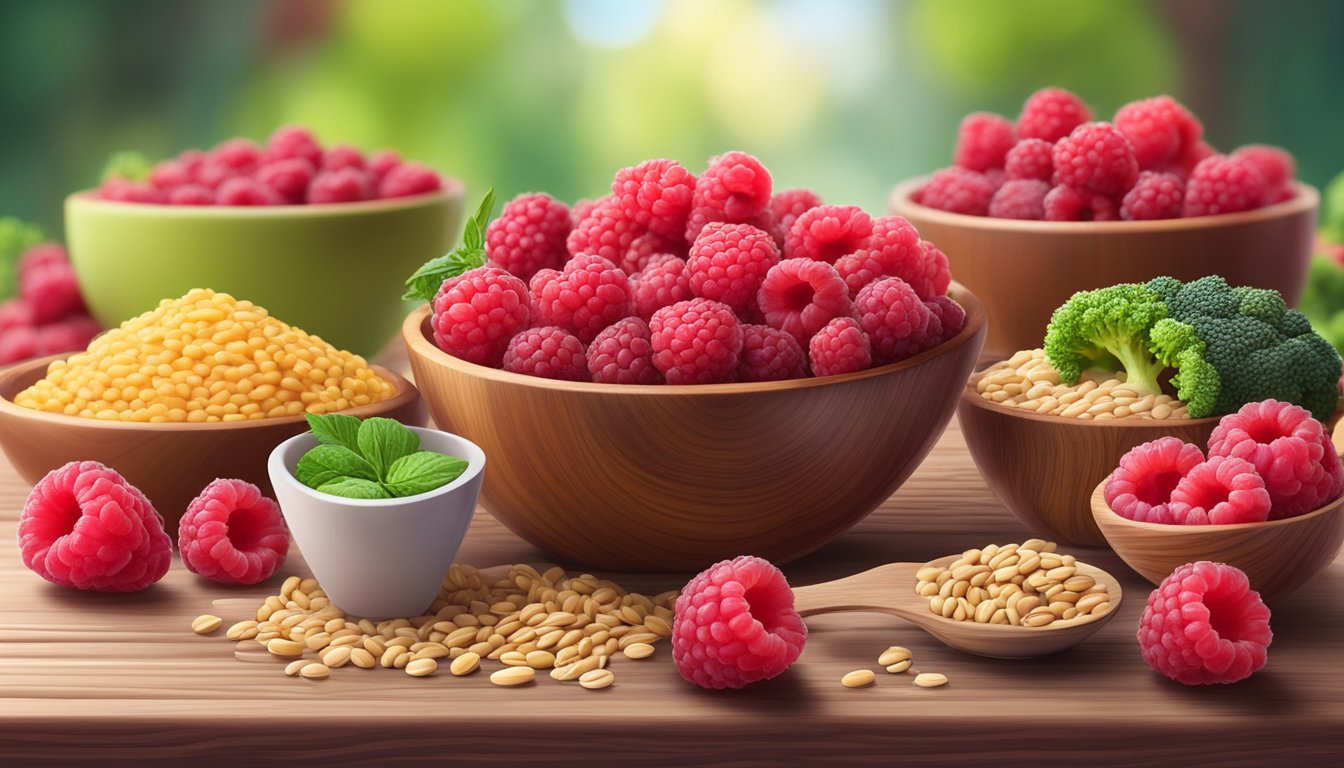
{"x": 983, "y": 139}
{"x": 478, "y": 312}
{"x": 191, "y": 160}
{"x": 590, "y": 294}
{"x": 1065, "y": 203}
{"x": 192, "y": 194}
{"x": 623, "y": 354}
{"x": 15, "y": 313}
{"x": 1096, "y": 156}
{"x": 235, "y": 157}
{"x": 896, "y": 320}
{"x": 581, "y": 209}
{"x": 549, "y": 353}
{"x": 42, "y": 255}
{"x": 1154, "y": 196}
{"x": 728, "y": 262}
{"x": 538, "y": 282}
{"x": 1223, "y": 490}
{"x": 696, "y": 342}
{"x": 800, "y": 296}
{"x": 1277, "y": 167}
{"x": 1140, "y": 488}
{"x": 655, "y": 195}
{"x": 734, "y": 188}
{"x": 1020, "y": 199}
{"x": 662, "y": 283}
{"x": 1030, "y": 159}
{"x": 895, "y": 250}
{"x": 1050, "y": 114}
{"x": 17, "y": 344}
{"x": 827, "y": 232}
{"x": 169, "y": 174}
{"x": 769, "y": 354}
{"x": 49, "y": 288}
{"x": 735, "y": 624}
{"x": 381, "y": 163}
{"x": 840, "y": 347}
{"x": 242, "y": 190}
{"x": 1290, "y": 450}
{"x": 123, "y": 191}
{"x": 290, "y": 141}
{"x": 1204, "y": 624}
{"x": 343, "y": 156}
{"x": 288, "y": 177}
{"x": 1222, "y": 184}
{"x": 408, "y": 180}
{"x": 950, "y": 315}
{"x": 958, "y": 190}
{"x": 645, "y": 247}
{"x": 785, "y": 208}
{"x": 604, "y": 232}
{"x": 348, "y": 185}
{"x": 233, "y": 534}
{"x": 1158, "y": 129}
{"x": 69, "y": 335}
{"x": 84, "y": 526}
{"x": 529, "y": 235}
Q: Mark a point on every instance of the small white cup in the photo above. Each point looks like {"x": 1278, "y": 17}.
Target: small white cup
{"x": 379, "y": 558}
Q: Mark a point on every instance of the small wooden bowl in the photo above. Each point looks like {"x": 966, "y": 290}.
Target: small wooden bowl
{"x": 171, "y": 463}
{"x": 673, "y": 478}
{"x": 1278, "y": 556}
{"x": 1023, "y": 270}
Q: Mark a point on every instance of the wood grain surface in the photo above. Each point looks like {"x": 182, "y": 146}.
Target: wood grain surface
{"x": 121, "y": 680}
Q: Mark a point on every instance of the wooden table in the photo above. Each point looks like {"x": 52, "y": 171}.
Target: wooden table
{"x": 88, "y": 678}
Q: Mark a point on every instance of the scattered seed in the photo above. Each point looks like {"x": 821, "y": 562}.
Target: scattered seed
{"x": 510, "y": 676}
{"x": 859, "y": 678}
{"x": 206, "y": 624}
{"x": 930, "y": 679}
{"x": 899, "y": 666}
{"x": 293, "y": 667}
{"x": 422, "y": 667}
{"x": 597, "y": 678}
{"x": 638, "y": 651}
{"x": 465, "y": 664}
{"x": 893, "y": 655}
{"x": 314, "y": 671}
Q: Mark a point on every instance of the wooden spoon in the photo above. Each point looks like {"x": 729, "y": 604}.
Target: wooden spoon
{"x": 891, "y": 589}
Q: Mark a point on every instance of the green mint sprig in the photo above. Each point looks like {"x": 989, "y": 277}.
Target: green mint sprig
{"x": 375, "y": 458}
{"x": 128, "y": 165}
{"x": 422, "y": 285}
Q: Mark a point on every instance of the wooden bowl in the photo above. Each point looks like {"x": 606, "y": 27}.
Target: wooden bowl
{"x": 1278, "y": 556}
{"x": 1023, "y": 270}
{"x": 651, "y": 478}
{"x": 171, "y": 463}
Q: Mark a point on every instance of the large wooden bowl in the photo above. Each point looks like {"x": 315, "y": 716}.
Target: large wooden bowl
{"x": 653, "y": 478}
{"x": 171, "y": 463}
{"x": 1278, "y": 556}
{"x": 1023, "y": 270}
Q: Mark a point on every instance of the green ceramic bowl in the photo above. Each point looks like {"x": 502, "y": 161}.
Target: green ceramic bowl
{"x": 333, "y": 270}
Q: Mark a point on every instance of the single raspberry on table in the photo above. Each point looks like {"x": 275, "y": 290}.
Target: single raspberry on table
{"x": 1050, "y": 114}
{"x": 895, "y": 250}
{"x": 1204, "y": 625}
{"x": 696, "y": 342}
{"x": 549, "y": 352}
{"x": 1020, "y": 199}
{"x": 1154, "y": 196}
{"x": 1030, "y": 159}
{"x": 1222, "y": 184}
{"x": 529, "y": 235}
{"x": 1096, "y": 156}
{"x": 958, "y": 190}
{"x": 1289, "y": 449}
{"x": 735, "y": 624}
{"x": 1140, "y": 488}
{"x": 827, "y": 232}
{"x": 233, "y": 534}
{"x": 785, "y": 208}
{"x": 381, "y": 163}
{"x": 896, "y": 320}
{"x": 70, "y": 334}
{"x": 347, "y": 185}
{"x": 734, "y": 188}
{"x": 409, "y": 179}
{"x": 343, "y": 156}
{"x": 289, "y": 141}
{"x": 1158, "y": 128}
{"x": 655, "y": 195}
{"x": 983, "y": 140}
{"x": 1223, "y": 490}
{"x": 950, "y": 315}
{"x": 769, "y": 354}
{"x": 244, "y": 190}
{"x": 728, "y": 263}
{"x": 623, "y": 354}
{"x": 478, "y": 312}
{"x": 589, "y": 294}
{"x": 662, "y": 283}
{"x": 49, "y": 288}
{"x": 84, "y": 526}
{"x": 192, "y": 194}
{"x": 840, "y": 347}
{"x": 288, "y": 177}
{"x": 1064, "y": 203}
{"x": 800, "y": 296}
{"x": 1277, "y": 167}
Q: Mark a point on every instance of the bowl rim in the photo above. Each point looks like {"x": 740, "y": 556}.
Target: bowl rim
{"x": 420, "y": 345}
{"x": 405, "y": 394}
{"x": 901, "y": 200}
{"x": 1100, "y": 507}
{"x": 970, "y": 396}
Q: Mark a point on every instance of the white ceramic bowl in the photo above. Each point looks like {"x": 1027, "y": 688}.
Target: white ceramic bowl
{"x": 379, "y": 558}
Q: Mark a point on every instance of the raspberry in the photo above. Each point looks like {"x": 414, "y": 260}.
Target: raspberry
{"x": 1065, "y": 203}
{"x": 1050, "y": 114}
{"x": 1154, "y": 196}
{"x": 644, "y": 248}
{"x": 1204, "y": 624}
{"x": 769, "y": 354}
{"x": 1221, "y": 491}
{"x": 123, "y": 191}
{"x": 407, "y": 180}
{"x": 1096, "y": 156}
{"x": 1277, "y": 167}
{"x": 535, "y": 285}
{"x": 734, "y": 188}
{"x": 785, "y": 208}
{"x": 242, "y": 190}
{"x": 191, "y": 161}
{"x": 800, "y": 296}
{"x": 895, "y": 250}
{"x": 84, "y": 526}
{"x": 381, "y": 163}
{"x": 1290, "y": 450}
{"x": 728, "y": 262}
{"x": 590, "y": 294}
{"x": 1158, "y": 129}
{"x": 15, "y": 313}
{"x": 294, "y": 141}
{"x": 549, "y": 353}
{"x": 696, "y": 342}
{"x": 1020, "y": 199}
{"x": 69, "y": 335}
{"x": 604, "y": 232}
{"x": 18, "y": 344}
{"x": 623, "y": 354}
{"x": 1140, "y": 488}
{"x": 1030, "y": 159}
{"x": 478, "y": 312}
{"x": 348, "y": 185}
{"x": 958, "y": 190}
{"x": 192, "y": 194}
{"x": 662, "y": 283}
{"x": 950, "y": 315}
{"x": 581, "y": 209}
{"x": 735, "y": 624}
{"x": 655, "y": 195}
{"x": 1222, "y": 184}
{"x": 840, "y": 347}
{"x": 529, "y": 235}
{"x": 235, "y": 157}
{"x": 896, "y": 320}
{"x": 288, "y": 177}
{"x": 827, "y": 232}
{"x": 169, "y": 174}
{"x": 983, "y": 139}
{"x": 343, "y": 156}
{"x": 233, "y": 534}
{"x": 49, "y": 288}
{"x": 41, "y": 255}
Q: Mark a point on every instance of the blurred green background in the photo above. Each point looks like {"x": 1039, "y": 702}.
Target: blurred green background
{"x": 845, "y": 96}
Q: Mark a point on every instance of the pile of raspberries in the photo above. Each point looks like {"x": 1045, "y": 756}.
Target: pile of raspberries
{"x": 1055, "y": 164}
{"x": 682, "y": 279}
{"x": 1268, "y": 461}
{"x": 291, "y": 169}
{"x": 48, "y": 315}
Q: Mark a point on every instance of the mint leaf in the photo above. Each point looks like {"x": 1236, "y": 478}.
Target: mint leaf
{"x": 325, "y": 463}
{"x": 131, "y": 166}
{"x": 423, "y": 471}
{"x": 335, "y": 429}
{"x": 355, "y": 488}
{"x": 383, "y": 441}
{"x": 424, "y": 284}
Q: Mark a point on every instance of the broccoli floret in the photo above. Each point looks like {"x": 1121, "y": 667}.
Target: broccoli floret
{"x": 1178, "y": 346}
{"x": 1108, "y": 328}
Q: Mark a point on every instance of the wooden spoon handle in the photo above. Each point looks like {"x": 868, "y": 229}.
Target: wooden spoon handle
{"x": 874, "y": 590}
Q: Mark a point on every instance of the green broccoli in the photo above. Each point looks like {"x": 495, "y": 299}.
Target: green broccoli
{"x": 1109, "y": 329}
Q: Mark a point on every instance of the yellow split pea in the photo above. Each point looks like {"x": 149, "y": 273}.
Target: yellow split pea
{"x": 206, "y": 357}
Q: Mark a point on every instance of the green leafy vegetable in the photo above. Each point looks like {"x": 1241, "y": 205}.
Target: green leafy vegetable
{"x": 383, "y": 441}
{"x": 375, "y": 458}
{"x": 422, "y": 285}
{"x": 16, "y": 237}
{"x": 355, "y": 488}
{"x": 423, "y": 471}
{"x": 131, "y": 166}
{"x": 325, "y": 463}
{"x": 335, "y": 429}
